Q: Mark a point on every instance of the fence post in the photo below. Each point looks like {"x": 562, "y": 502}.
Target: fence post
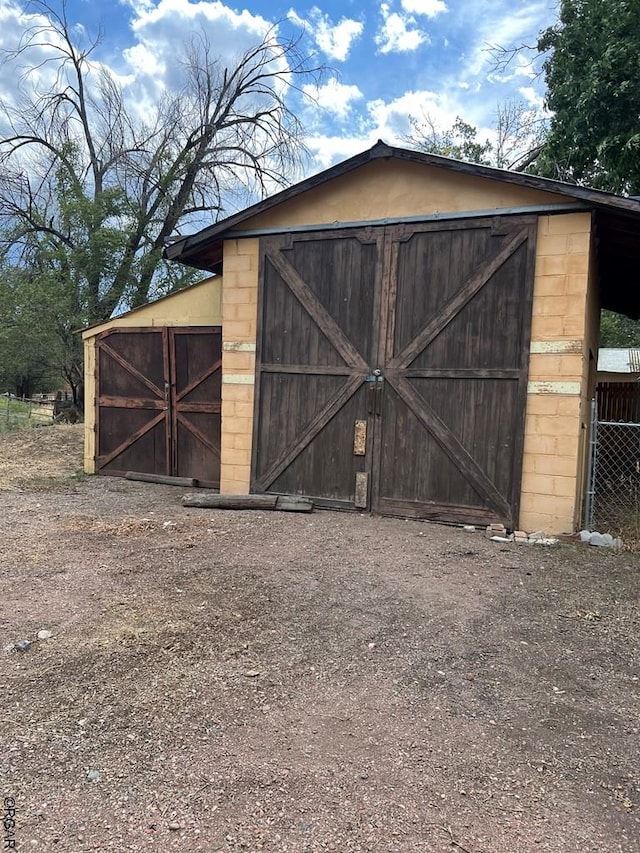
{"x": 593, "y": 448}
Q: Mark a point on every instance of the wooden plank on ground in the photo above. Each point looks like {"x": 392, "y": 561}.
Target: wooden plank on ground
{"x": 284, "y": 503}
{"x": 162, "y": 479}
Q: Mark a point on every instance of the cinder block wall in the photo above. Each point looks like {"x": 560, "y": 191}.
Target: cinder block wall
{"x": 239, "y": 329}
{"x": 552, "y": 479}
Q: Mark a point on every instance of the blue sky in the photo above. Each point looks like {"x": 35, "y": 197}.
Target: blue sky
{"x": 386, "y": 61}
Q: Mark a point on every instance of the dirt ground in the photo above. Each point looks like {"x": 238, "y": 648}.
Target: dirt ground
{"x": 220, "y": 681}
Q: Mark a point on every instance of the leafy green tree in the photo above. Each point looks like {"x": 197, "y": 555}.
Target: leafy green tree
{"x": 518, "y": 133}
{"x": 31, "y": 352}
{"x": 618, "y": 331}
{"x": 460, "y": 142}
{"x": 592, "y": 72}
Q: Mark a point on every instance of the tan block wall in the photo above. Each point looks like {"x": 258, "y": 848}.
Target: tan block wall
{"x": 89, "y": 405}
{"x": 554, "y": 432}
{"x": 239, "y": 330}
{"x": 198, "y": 305}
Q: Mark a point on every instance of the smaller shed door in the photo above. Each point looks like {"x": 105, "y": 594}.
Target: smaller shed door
{"x": 158, "y": 402}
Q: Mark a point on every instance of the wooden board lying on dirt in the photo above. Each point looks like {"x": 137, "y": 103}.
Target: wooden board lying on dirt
{"x": 162, "y": 479}
{"x": 283, "y": 503}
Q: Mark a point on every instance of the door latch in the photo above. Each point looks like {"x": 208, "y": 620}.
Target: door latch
{"x": 374, "y": 381}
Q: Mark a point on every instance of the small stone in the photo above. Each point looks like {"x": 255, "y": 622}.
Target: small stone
{"x": 607, "y": 538}
{"x": 371, "y": 645}
{"x": 520, "y": 534}
{"x": 585, "y": 535}
{"x": 469, "y": 528}
{"x": 597, "y": 539}
{"x": 94, "y": 775}
{"x": 500, "y": 539}
{"x": 251, "y": 673}
{"x": 167, "y": 524}
{"x": 22, "y": 645}
{"x": 539, "y": 534}
{"x": 617, "y": 543}
{"x": 548, "y": 541}
{"x": 44, "y": 635}
{"x": 174, "y": 826}
{"x": 520, "y": 541}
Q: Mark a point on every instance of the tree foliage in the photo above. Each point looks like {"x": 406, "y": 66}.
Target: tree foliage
{"x": 460, "y": 142}
{"x": 618, "y": 331}
{"x": 31, "y": 349}
{"x": 592, "y": 68}
{"x": 93, "y": 186}
{"x": 517, "y": 134}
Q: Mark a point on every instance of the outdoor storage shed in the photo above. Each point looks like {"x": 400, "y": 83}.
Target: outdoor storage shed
{"x": 417, "y": 336}
{"x": 152, "y": 388}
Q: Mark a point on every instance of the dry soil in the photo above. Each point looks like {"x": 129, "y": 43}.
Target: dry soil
{"x": 244, "y": 681}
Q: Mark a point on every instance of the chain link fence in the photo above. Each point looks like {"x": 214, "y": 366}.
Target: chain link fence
{"x": 613, "y": 503}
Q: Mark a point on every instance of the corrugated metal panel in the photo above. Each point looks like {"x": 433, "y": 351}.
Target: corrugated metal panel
{"x": 614, "y": 360}
{"x": 634, "y": 360}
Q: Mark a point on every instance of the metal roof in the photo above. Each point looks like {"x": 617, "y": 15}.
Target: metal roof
{"x": 619, "y": 360}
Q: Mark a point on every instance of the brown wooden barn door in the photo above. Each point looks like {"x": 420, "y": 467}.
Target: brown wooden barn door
{"x": 158, "y": 402}
{"x": 195, "y": 360}
{"x": 449, "y": 446}
{"x": 133, "y": 426}
{"x": 317, "y": 349}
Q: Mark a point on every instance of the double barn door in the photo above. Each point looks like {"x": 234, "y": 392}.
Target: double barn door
{"x": 158, "y": 402}
{"x": 392, "y": 367}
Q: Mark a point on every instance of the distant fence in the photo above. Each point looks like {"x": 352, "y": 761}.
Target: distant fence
{"x": 618, "y": 401}
{"x": 28, "y": 412}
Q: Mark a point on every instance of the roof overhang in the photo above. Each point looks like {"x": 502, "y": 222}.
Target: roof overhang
{"x": 617, "y": 221}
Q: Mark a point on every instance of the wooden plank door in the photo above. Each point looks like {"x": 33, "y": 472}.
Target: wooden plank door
{"x": 195, "y": 360}
{"x": 317, "y": 345}
{"x": 133, "y": 426}
{"x": 158, "y": 402}
{"x": 450, "y": 438}
{"x": 413, "y": 338}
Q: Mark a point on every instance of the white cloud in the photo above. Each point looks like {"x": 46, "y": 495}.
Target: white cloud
{"x": 143, "y": 59}
{"x": 185, "y": 13}
{"x": 329, "y": 150}
{"x": 386, "y": 120}
{"x": 395, "y": 34}
{"x": 334, "y": 97}
{"x": 391, "y": 119}
{"x": 161, "y": 31}
{"x": 334, "y": 40}
{"x": 15, "y": 28}
{"x": 430, "y": 8}
{"x": 532, "y": 97}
